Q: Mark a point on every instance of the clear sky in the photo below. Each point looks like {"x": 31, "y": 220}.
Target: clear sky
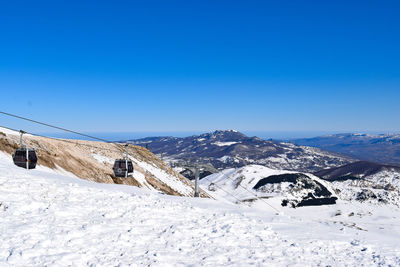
{"x": 133, "y": 66}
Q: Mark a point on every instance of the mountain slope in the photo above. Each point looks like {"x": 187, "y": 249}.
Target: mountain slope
{"x": 258, "y": 183}
{"x": 231, "y": 149}
{"x": 359, "y": 169}
{"x": 365, "y": 181}
{"x": 361, "y": 182}
{"x": 376, "y": 148}
{"x": 94, "y": 160}
{"x": 50, "y": 219}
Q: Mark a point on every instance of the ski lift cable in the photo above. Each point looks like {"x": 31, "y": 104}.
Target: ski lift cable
{"x": 59, "y": 128}
{"x": 118, "y": 151}
{"x": 229, "y": 193}
{"x": 55, "y": 127}
{"x": 95, "y": 138}
{"x": 255, "y": 195}
{"x": 65, "y": 140}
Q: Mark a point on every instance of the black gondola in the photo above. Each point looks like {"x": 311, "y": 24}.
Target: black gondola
{"x": 120, "y": 169}
{"x": 25, "y": 157}
{"x": 123, "y": 167}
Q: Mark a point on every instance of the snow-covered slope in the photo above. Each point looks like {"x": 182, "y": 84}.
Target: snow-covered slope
{"x": 365, "y": 181}
{"x": 371, "y": 183}
{"x": 94, "y": 160}
{"x": 52, "y": 219}
{"x": 258, "y": 183}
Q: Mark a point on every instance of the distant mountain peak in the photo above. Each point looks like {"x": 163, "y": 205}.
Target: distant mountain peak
{"x": 226, "y": 132}
{"x": 230, "y": 148}
{"x": 226, "y": 135}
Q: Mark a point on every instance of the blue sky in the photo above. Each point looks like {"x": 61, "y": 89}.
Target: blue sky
{"x": 173, "y": 66}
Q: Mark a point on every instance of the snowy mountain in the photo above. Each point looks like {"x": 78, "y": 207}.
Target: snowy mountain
{"x": 376, "y": 148}
{"x": 231, "y": 149}
{"x": 361, "y": 182}
{"x": 258, "y": 183}
{"x": 365, "y": 181}
{"x": 94, "y": 160}
{"x": 53, "y": 219}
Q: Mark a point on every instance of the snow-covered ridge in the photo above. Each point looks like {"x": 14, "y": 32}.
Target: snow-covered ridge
{"x": 366, "y": 181}
{"x": 224, "y": 143}
{"x": 254, "y": 182}
{"x": 295, "y": 189}
{"x": 94, "y": 160}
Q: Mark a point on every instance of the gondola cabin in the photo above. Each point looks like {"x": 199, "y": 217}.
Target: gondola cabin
{"x": 25, "y": 158}
{"x": 122, "y": 168}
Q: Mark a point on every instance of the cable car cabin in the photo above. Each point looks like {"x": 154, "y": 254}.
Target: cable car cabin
{"x": 120, "y": 169}
{"x": 25, "y": 158}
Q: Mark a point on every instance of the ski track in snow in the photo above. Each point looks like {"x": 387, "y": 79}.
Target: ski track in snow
{"x": 52, "y": 220}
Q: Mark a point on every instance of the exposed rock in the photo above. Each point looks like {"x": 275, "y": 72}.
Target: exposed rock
{"x": 365, "y": 194}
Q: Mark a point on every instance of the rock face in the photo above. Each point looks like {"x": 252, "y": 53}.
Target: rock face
{"x": 231, "y": 149}
{"x": 377, "y": 148}
{"x": 94, "y": 160}
{"x": 365, "y": 181}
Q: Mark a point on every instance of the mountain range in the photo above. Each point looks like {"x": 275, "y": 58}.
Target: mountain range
{"x": 383, "y": 148}
{"x": 258, "y": 166}
{"x": 365, "y": 181}
{"x": 232, "y": 149}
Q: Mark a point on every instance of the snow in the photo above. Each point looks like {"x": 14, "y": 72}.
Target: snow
{"x": 48, "y": 219}
{"x": 12, "y": 132}
{"x": 225, "y": 158}
{"x": 282, "y": 159}
{"x": 102, "y": 159}
{"x": 169, "y": 179}
{"x": 224, "y": 143}
{"x": 235, "y": 185}
{"x": 7, "y": 131}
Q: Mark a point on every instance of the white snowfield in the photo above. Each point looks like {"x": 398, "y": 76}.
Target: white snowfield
{"x": 224, "y": 143}
{"x": 49, "y": 219}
